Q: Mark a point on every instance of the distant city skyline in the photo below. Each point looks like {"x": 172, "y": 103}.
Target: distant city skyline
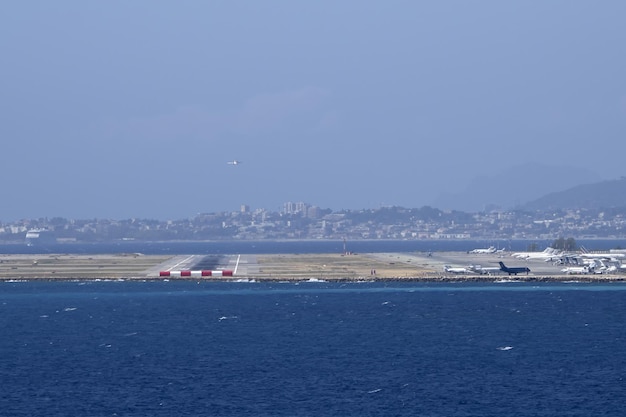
{"x": 304, "y": 221}
{"x": 120, "y": 110}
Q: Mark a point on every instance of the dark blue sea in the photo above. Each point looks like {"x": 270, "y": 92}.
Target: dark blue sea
{"x": 311, "y": 349}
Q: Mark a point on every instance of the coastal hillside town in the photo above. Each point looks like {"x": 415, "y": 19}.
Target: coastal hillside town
{"x": 304, "y": 221}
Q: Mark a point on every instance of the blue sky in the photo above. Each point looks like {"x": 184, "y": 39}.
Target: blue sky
{"x": 132, "y": 109}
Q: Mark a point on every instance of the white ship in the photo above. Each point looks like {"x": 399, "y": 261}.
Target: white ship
{"x": 34, "y": 236}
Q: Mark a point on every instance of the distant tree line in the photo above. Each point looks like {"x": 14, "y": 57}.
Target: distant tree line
{"x": 561, "y": 243}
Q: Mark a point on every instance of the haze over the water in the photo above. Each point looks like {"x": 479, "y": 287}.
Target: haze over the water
{"x": 133, "y": 109}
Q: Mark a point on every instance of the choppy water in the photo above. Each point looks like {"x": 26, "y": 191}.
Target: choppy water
{"x": 311, "y": 349}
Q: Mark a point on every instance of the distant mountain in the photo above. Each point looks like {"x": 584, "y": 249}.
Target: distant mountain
{"x": 604, "y": 194}
{"x": 514, "y": 187}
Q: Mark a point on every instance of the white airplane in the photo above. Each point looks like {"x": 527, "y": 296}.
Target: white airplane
{"x": 456, "y": 269}
{"x": 485, "y": 270}
{"x": 234, "y": 162}
{"x": 576, "y": 270}
{"x": 548, "y": 254}
{"x": 608, "y": 256}
{"x": 490, "y": 249}
{"x": 605, "y": 256}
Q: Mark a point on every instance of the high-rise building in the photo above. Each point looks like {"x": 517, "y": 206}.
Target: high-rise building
{"x": 301, "y": 208}
{"x": 288, "y": 208}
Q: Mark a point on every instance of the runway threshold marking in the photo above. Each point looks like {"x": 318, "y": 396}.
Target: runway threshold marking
{"x": 181, "y": 262}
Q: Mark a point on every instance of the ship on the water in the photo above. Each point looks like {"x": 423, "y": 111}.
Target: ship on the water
{"x": 38, "y": 236}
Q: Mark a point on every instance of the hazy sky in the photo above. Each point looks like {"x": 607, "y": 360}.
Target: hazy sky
{"x": 124, "y": 109}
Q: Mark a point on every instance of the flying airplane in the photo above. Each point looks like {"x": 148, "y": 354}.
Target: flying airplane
{"x": 234, "y": 162}
{"x": 513, "y": 269}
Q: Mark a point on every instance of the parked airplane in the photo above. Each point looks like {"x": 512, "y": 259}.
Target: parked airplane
{"x": 485, "y": 270}
{"x": 595, "y": 265}
{"x": 575, "y": 270}
{"x": 456, "y": 269}
{"x": 608, "y": 256}
{"x": 548, "y": 254}
{"x": 513, "y": 269}
{"x": 234, "y": 162}
{"x": 490, "y": 249}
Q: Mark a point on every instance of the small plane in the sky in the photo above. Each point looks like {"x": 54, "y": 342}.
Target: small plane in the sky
{"x": 234, "y": 162}
{"x": 513, "y": 269}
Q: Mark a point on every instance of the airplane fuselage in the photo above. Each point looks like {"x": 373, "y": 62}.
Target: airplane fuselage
{"x": 490, "y": 249}
{"x": 456, "y": 270}
{"x": 514, "y": 270}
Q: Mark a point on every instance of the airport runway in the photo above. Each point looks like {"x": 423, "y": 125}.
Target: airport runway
{"x": 243, "y": 265}
{"x": 334, "y": 266}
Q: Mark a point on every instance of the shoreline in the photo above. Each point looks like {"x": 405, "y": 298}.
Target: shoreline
{"x": 348, "y": 268}
{"x": 442, "y": 280}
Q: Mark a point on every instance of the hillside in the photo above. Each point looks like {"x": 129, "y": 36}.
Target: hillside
{"x": 604, "y": 194}
{"x": 513, "y": 187}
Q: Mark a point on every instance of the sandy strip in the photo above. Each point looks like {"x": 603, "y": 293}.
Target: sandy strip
{"x": 68, "y": 266}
